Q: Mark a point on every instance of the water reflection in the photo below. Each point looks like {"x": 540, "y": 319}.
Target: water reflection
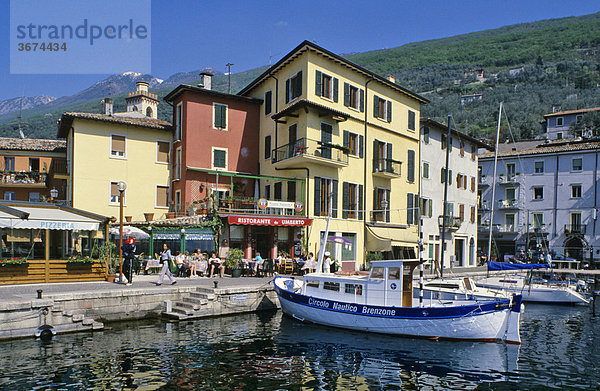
{"x": 268, "y": 351}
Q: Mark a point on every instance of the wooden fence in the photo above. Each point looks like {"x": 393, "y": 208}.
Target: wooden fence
{"x": 54, "y": 270}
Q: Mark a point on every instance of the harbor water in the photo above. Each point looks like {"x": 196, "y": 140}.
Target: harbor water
{"x": 560, "y": 350}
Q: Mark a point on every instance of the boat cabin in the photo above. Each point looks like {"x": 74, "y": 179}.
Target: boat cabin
{"x": 389, "y": 283}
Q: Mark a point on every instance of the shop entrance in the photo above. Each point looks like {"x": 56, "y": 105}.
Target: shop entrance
{"x": 262, "y": 238}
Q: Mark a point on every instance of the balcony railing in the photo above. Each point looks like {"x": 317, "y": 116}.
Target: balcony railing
{"x": 509, "y": 180}
{"x": 23, "y": 177}
{"x": 311, "y": 149}
{"x": 235, "y": 204}
{"x": 387, "y": 167}
{"x": 575, "y": 229}
{"x": 508, "y": 204}
{"x": 452, "y": 222}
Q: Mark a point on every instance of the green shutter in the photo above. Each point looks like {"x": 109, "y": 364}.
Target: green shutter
{"x": 318, "y": 83}
{"x": 430, "y": 203}
{"x": 219, "y": 158}
{"x": 409, "y": 210}
{"x": 317, "y": 208}
{"x": 388, "y": 156}
{"x": 336, "y": 83}
{"x": 360, "y": 202}
{"x": 375, "y": 156}
{"x": 389, "y": 111}
{"x": 345, "y": 199}
{"x": 411, "y": 165}
{"x": 362, "y": 100}
{"x": 411, "y": 120}
{"x": 389, "y": 206}
{"x": 361, "y": 142}
{"x": 346, "y": 94}
{"x": 298, "y": 85}
{"x": 334, "y": 200}
{"x": 346, "y": 138}
{"x": 268, "y": 97}
{"x": 376, "y": 106}
{"x": 287, "y": 90}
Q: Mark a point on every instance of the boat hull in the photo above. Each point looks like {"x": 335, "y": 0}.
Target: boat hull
{"x": 489, "y": 321}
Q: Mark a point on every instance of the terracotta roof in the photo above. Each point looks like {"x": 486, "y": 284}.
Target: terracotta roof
{"x": 67, "y": 118}
{"x": 307, "y": 45}
{"x": 578, "y": 111}
{"x": 32, "y": 144}
{"x": 523, "y": 148}
{"x": 171, "y": 96}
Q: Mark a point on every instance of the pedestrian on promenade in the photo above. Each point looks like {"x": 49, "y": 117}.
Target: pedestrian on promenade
{"x": 128, "y": 255}
{"x": 165, "y": 261}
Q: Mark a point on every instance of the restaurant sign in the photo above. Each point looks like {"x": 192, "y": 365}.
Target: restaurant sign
{"x": 274, "y": 221}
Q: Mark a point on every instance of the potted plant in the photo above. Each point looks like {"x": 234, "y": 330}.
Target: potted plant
{"x": 14, "y": 262}
{"x": 233, "y": 261}
{"x": 149, "y": 216}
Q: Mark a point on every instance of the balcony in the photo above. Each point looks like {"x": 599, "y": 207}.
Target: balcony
{"x": 23, "y": 179}
{"x": 509, "y": 180}
{"x": 507, "y": 228}
{"x": 387, "y": 168}
{"x": 452, "y": 222}
{"x": 509, "y": 204}
{"x": 239, "y": 205}
{"x": 574, "y": 229}
{"x": 305, "y": 151}
{"x": 483, "y": 206}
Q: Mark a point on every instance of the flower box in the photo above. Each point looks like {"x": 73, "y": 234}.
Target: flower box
{"x": 79, "y": 261}
{"x": 14, "y": 262}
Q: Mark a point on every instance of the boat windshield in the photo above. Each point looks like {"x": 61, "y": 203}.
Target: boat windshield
{"x": 377, "y": 273}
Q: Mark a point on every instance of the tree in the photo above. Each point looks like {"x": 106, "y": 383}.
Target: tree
{"x": 589, "y": 122}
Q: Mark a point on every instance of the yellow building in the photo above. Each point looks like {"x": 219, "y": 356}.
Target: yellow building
{"x": 104, "y": 149}
{"x": 353, "y": 135}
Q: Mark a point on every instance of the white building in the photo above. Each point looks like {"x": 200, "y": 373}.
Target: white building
{"x": 461, "y": 221}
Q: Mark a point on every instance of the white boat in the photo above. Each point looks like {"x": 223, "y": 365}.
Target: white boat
{"x": 382, "y": 302}
{"x": 458, "y": 289}
{"x": 534, "y": 292}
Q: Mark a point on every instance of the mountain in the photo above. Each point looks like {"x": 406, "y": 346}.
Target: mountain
{"x": 24, "y": 103}
{"x": 531, "y": 67}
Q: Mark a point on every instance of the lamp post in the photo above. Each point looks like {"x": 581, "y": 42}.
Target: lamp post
{"x": 121, "y": 186}
{"x": 53, "y": 194}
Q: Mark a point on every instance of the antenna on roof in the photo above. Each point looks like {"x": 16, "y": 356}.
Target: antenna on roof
{"x": 21, "y": 134}
{"x": 228, "y": 65}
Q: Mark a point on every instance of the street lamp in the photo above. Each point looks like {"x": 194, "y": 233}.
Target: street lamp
{"x": 53, "y": 194}
{"x": 121, "y": 186}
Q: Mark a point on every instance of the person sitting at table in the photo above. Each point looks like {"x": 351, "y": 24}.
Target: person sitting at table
{"x": 179, "y": 262}
{"x": 194, "y": 263}
{"x": 202, "y": 266}
{"x": 310, "y": 264}
{"x": 185, "y": 268}
{"x": 258, "y": 261}
{"x": 215, "y": 263}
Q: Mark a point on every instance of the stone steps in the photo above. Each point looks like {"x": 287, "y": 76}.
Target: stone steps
{"x": 198, "y": 304}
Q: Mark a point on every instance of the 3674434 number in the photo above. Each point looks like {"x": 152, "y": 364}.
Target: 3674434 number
{"x": 42, "y": 47}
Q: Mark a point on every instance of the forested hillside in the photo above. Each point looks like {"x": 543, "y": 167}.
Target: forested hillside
{"x": 554, "y": 63}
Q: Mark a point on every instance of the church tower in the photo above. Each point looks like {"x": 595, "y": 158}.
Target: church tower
{"x": 142, "y": 101}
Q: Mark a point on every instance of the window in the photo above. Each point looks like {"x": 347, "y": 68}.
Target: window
{"x": 268, "y": 192}
{"x": 9, "y": 196}
{"x": 394, "y": 273}
{"x": 472, "y": 214}
{"x": 348, "y": 252}
{"x": 34, "y": 164}
{"x": 382, "y": 158}
{"x": 114, "y": 193}
{"x": 268, "y": 102}
{"x": 443, "y": 176}
{"x": 277, "y": 190}
{"x": 323, "y": 188}
{"x": 326, "y": 86}
{"x": 411, "y": 120}
{"x": 377, "y": 273}
{"x": 381, "y": 207}
{"x": 473, "y": 184}
{"x": 117, "y": 145}
{"x": 353, "y": 289}
{"x": 449, "y": 209}
{"x": 9, "y": 163}
{"x": 559, "y": 136}
{"x": 178, "y": 121}
{"x": 539, "y": 167}
{"x": 426, "y": 207}
{"x": 312, "y": 284}
{"x": 425, "y": 170}
{"x": 350, "y": 198}
{"x": 510, "y": 194}
{"x": 177, "y": 164}
{"x": 461, "y": 212}
{"x": 177, "y": 200}
{"x": 34, "y": 197}
{"x": 576, "y": 222}
{"x": 220, "y": 116}
{"x": 577, "y": 164}
{"x": 162, "y": 151}
{"x": 219, "y": 158}
{"x": 291, "y": 191}
{"x": 267, "y": 147}
{"x": 293, "y": 87}
{"x": 462, "y": 148}
{"x": 575, "y": 191}
{"x": 473, "y": 152}
{"x": 579, "y": 119}
{"x": 331, "y": 286}
{"x": 426, "y": 135}
{"x": 353, "y": 143}
{"x": 509, "y": 222}
{"x": 162, "y": 196}
{"x": 559, "y": 121}
{"x": 382, "y": 109}
{"x": 411, "y": 166}
{"x": 510, "y": 170}
{"x": 538, "y": 220}
{"x": 538, "y": 193}
{"x": 444, "y": 139}
{"x": 354, "y": 97}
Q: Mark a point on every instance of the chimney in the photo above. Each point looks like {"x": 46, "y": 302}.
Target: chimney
{"x": 205, "y": 80}
{"x": 108, "y": 106}
{"x": 391, "y": 78}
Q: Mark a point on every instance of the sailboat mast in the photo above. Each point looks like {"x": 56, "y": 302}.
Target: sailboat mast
{"x": 324, "y": 241}
{"x": 494, "y": 186}
{"x": 444, "y": 207}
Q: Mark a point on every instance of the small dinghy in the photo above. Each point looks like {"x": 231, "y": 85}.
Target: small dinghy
{"x": 382, "y": 302}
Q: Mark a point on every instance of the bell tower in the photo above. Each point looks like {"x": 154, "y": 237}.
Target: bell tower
{"x": 142, "y": 101}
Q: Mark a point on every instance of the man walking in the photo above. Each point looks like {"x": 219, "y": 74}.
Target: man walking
{"x": 128, "y": 255}
{"x": 165, "y": 261}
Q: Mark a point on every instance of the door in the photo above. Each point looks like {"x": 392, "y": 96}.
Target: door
{"x": 459, "y": 245}
{"x": 326, "y": 137}
{"x": 292, "y": 137}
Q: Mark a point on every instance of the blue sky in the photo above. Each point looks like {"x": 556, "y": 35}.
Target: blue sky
{"x": 192, "y": 34}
